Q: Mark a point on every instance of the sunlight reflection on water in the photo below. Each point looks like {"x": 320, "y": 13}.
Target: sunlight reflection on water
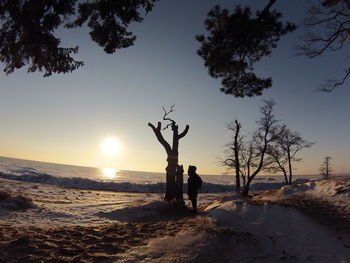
{"x": 110, "y": 173}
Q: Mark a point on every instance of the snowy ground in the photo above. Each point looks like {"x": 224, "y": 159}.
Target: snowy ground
{"x": 307, "y": 222}
{"x": 56, "y": 206}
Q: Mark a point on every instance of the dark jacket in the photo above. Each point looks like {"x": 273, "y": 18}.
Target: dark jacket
{"x": 194, "y": 183}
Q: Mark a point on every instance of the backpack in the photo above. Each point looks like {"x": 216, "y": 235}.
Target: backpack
{"x": 199, "y": 182}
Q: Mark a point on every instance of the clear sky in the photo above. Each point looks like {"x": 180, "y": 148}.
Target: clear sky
{"x": 64, "y": 118}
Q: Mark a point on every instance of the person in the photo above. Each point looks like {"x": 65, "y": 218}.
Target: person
{"x": 194, "y": 182}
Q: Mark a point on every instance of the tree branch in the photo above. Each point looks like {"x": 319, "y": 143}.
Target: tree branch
{"x": 166, "y": 118}
{"x": 183, "y": 134}
{"x": 160, "y": 138}
{"x": 332, "y": 84}
{"x": 267, "y": 8}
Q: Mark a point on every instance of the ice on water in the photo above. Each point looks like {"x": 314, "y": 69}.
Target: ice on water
{"x": 125, "y": 181}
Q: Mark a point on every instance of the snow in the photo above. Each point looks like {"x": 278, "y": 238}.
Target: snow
{"x": 182, "y": 247}
{"x": 64, "y": 206}
{"x": 281, "y": 232}
{"x": 229, "y": 228}
{"x": 336, "y": 192}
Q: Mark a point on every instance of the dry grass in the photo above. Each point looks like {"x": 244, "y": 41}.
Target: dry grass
{"x": 21, "y": 202}
{"x": 4, "y": 195}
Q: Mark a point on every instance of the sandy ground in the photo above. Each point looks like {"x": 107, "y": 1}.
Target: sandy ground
{"x": 105, "y": 243}
{"x": 70, "y": 225}
{"x": 303, "y": 223}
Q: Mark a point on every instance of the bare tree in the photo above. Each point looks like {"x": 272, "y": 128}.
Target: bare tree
{"x": 262, "y": 138}
{"x": 284, "y": 149}
{"x": 326, "y": 168}
{"x": 232, "y": 152}
{"x": 278, "y": 161}
{"x": 328, "y": 28}
{"x": 172, "y": 189}
{"x": 250, "y": 160}
{"x": 248, "y": 157}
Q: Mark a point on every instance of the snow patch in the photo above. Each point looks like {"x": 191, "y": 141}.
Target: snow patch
{"x": 283, "y": 233}
{"x": 134, "y": 213}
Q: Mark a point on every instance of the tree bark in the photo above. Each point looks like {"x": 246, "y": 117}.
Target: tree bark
{"x": 170, "y": 177}
{"x": 290, "y": 168}
{"x": 237, "y": 164}
{"x": 285, "y": 176}
{"x": 179, "y": 184}
{"x": 245, "y": 190}
{"x": 172, "y": 190}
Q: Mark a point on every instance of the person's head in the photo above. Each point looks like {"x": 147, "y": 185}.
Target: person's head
{"x": 180, "y": 169}
{"x": 191, "y": 169}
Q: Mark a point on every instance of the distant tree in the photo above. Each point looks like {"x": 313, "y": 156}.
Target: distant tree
{"x": 282, "y": 152}
{"x": 250, "y": 161}
{"x": 173, "y": 191}
{"x": 232, "y": 152}
{"x": 235, "y": 42}
{"x": 250, "y": 154}
{"x": 28, "y": 34}
{"x": 327, "y": 29}
{"x": 326, "y": 168}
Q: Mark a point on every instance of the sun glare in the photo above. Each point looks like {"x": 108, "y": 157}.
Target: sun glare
{"x": 111, "y": 146}
{"x": 110, "y": 173}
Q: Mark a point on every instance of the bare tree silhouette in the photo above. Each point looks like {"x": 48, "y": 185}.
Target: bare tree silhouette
{"x": 232, "y": 152}
{"x": 326, "y": 168}
{"x": 283, "y": 150}
{"x": 248, "y": 156}
{"x": 172, "y": 151}
{"x": 327, "y": 29}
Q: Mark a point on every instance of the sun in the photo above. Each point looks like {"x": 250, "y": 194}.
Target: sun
{"x": 111, "y": 146}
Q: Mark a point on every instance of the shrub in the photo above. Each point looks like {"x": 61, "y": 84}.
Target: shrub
{"x": 4, "y": 195}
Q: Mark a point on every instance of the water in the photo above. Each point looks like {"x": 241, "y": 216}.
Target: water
{"x": 26, "y": 167}
{"x": 111, "y": 179}
{"x": 95, "y": 178}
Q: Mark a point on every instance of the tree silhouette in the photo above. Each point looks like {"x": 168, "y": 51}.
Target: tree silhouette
{"x": 249, "y": 154}
{"x": 326, "y": 168}
{"x": 28, "y": 30}
{"x": 235, "y": 42}
{"x": 233, "y": 150}
{"x": 327, "y": 29}
{"x": 283, "y": 152}
{"x": 173, "y": 188}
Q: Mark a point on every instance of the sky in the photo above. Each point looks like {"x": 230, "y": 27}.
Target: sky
{"x": 64, "y": 118}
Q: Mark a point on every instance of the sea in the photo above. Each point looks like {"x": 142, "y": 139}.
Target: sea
{"x": 118, "y": 180}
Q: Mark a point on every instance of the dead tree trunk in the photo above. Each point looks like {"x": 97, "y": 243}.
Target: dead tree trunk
{"x": 179, "y": 180}
{"x": 172, "y": 156}
{"x": 236, "y": 152}
{"x": 290, "y": 167}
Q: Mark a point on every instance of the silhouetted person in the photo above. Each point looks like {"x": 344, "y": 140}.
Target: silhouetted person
{"x": 179, "y": 179}
{"x": 194, "y": 183}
